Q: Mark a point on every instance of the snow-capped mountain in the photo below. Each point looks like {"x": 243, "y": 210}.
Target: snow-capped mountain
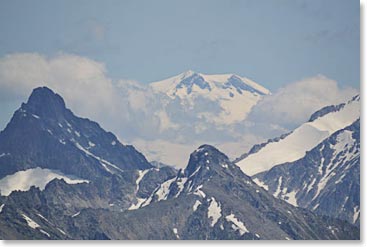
{"x": 177, "y": 114}
{"x": 167, "y": 119}
{"x": 296, "y": 144}
{"x": 326, "y": 180}
{"x": 317, "y": 165}
{"x": 235, "y": 95}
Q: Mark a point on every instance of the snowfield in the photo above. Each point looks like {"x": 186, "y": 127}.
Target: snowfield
{"x": 38, "y": 177}
{"x": 236, "y": 95}
{"x": 301, "y": 140}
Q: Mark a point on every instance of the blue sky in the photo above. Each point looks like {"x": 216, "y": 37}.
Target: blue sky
{"x": 271, "y": 42}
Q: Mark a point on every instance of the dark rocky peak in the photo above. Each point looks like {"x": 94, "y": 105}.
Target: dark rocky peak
{"x": 240, "y": 85}
{"x": 331, "y": 108}
{"x": 194, "y": 79}
{"x": 206, "y": 164}
{"x": 43, "y": 133}
{"x": 43, "y": 102}
{"x": 325, "y": 110}
{"x": 205, "y": 156}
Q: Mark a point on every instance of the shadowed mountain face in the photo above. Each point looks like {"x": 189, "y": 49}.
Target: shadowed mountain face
{"x": 94, "y": 187}
{"x": 73, "y": 161}
{"x": 44, "y": 133}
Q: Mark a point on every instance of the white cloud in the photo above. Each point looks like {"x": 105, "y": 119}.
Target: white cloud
{"x": 82, "y": 82}
{"x": 124, "y": 107}
{"x": 293, "y": 104}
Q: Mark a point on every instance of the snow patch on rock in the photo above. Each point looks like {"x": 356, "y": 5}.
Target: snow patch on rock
{"x": 38, "y": 177}
{"x": 214, "y": 211}
{"x": 195, "y": 207}
{"x": 237, "y": 224}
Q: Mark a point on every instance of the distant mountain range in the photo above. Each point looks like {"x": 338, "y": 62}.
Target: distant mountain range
{"x": 64, "y": 177}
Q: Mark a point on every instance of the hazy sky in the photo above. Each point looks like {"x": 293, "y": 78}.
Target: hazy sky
{"x": 272, "y": 42}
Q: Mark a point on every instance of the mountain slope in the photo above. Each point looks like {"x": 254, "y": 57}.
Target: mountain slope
{"x": 326, "y": 180}
{"x": 235, "y": 95}
{"x": 210, "y": 199}
{"x": 74, "y": 145}
{"x": 295, "y": 145}
{"x": 45, "y": 141}
{"x": 213, "y": 199}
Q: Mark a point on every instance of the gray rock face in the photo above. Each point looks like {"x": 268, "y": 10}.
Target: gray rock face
{"x": 240, "y": 86}
{"x": 195, "y": 79}
{"x": 55, "y": 208}
{"x": 326, "y": 180}
{"x": 73, "y": 145}
{"x": 211, "y": 199}
{"x": 44, "y": 134}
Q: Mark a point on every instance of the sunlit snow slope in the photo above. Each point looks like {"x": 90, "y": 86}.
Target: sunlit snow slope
{"x": 236, "y": 95}
{"x": 301, "y": 140}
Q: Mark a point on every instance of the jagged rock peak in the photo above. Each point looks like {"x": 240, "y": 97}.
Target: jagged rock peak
{"x": 45, "y": 103}
{"x": 207, "y": 148}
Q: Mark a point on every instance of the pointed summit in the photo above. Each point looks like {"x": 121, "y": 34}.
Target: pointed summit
{"x": 215, "y": 86}
{"x": 68, "y": 143}
{"x": 205, "y": 156}
{"x": 45, "y": 103}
